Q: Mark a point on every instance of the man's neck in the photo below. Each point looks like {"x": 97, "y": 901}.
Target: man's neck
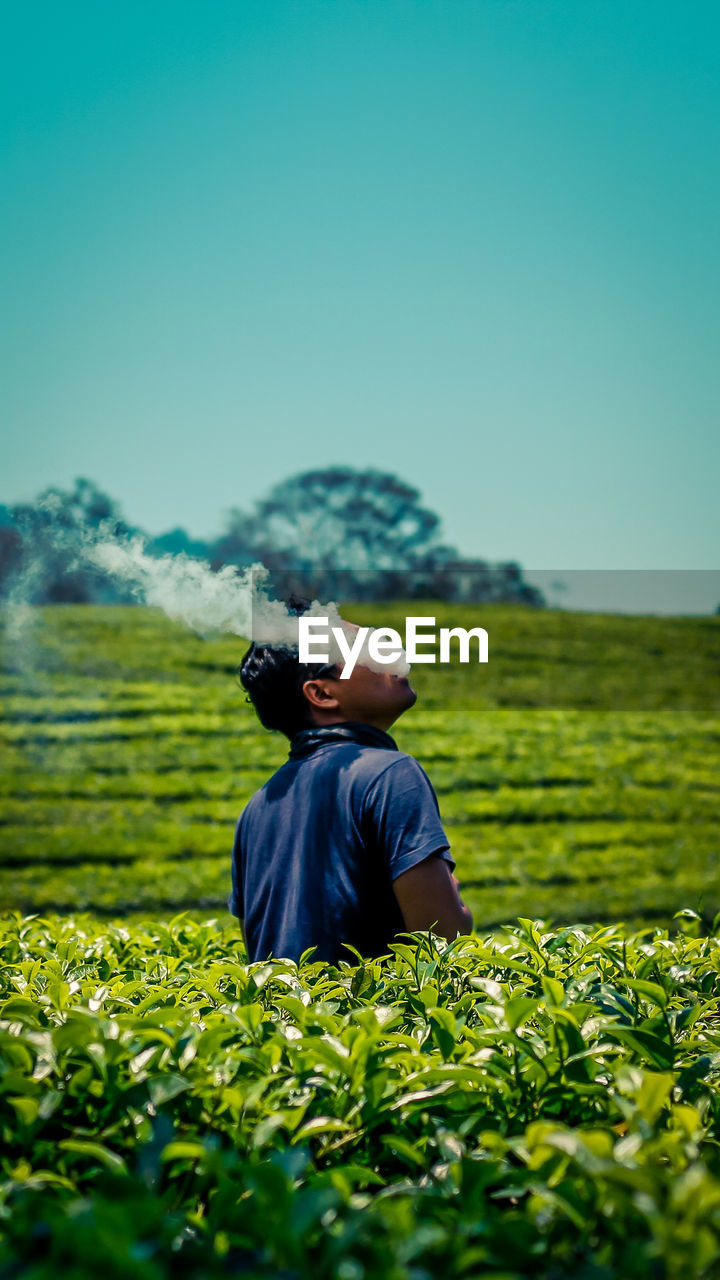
{"x": 309, "y": 740}
{"x": 321, "y": 722}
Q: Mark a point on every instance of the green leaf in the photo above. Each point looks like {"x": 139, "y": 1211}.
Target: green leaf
{"x": 401, "y": 1147}
{"x": 95, "y": 1151}
{"x": 444, "y": 1030}
{"x": 518, "y": 1010}
{"x": 25, "y": 1108}
{"x": 182, "y": 1151}
{"x": 163, "y": 1088}
{"x": 554, "y": 990}
{"x": 650, "y": 990}
{"x": 320, "y": 1124}
{"x": 17, "y": 1008}
{"x": 649, "y": 1048}
{"x": 361, "y": 1174}
{"x": 654, "y": 1093}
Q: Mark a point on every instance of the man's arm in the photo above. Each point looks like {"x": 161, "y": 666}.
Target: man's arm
{"x": 428, "y": 897}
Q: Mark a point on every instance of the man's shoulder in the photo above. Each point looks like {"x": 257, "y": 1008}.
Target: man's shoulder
{"x": 374, "y": 760}
{"x": 402, "y": 765}
{"x": 378, "y": 771}
{"x": 367, "y": 764}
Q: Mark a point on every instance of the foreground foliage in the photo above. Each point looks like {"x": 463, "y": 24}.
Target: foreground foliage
{"x": 537, "y": 1104}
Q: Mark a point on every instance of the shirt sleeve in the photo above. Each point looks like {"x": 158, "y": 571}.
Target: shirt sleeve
{"x": 235, "y": 901}
{"x": 402, "y": 810}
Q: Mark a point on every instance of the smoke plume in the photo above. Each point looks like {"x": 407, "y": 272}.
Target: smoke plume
{"x": 186, "y": 589}
{"x": 189, "y": 591}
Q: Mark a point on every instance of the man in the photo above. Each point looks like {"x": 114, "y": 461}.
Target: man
{"x": 344, "y": 843}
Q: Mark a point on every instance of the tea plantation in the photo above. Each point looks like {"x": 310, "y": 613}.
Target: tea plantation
{"x": 539, "y": 1100}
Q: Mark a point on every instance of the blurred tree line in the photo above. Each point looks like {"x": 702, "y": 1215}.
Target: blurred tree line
{"x": 335, "y": 533}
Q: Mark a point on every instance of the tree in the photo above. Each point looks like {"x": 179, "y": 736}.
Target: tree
{"x": 178, "y": 541}
{"x": 45, "y": 563}
{"x": 343, "y": 533}
{"x": 336, "y": 533}
{"x": 336, "y": 520}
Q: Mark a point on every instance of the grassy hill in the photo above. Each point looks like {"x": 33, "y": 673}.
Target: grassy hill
{"x": 577, "y": 772}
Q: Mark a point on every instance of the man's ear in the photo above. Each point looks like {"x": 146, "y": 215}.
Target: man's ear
{"x": 319, "y": 695}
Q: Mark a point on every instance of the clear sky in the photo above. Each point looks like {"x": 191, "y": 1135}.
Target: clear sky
{"x": 473, "y": 242}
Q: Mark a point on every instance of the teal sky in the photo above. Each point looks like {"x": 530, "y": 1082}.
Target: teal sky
{"x": 475, "y": 243}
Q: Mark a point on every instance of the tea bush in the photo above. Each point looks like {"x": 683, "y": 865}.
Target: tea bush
{"x": 536, "y": 1103}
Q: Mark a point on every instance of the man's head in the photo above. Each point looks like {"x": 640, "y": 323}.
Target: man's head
{"x": 289, "y": 695}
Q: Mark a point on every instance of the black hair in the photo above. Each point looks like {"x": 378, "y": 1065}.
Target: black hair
{"x": 273, "y": 679}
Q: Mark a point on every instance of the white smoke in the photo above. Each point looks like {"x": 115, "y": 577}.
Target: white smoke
{"x": 207, "y": 600}
{"x": 188, "y": 590}
{"x": 229, "y": 600}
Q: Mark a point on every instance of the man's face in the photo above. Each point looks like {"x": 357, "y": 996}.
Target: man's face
{"x": 373, "y": 697}
{"x": 368, "y": 696}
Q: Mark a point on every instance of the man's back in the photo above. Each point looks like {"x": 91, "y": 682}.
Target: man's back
{"x": 318, "y": 847}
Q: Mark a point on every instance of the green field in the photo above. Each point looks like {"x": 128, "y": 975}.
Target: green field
{"x": 577, "y": 772}
{"x": 539, "y": 1100}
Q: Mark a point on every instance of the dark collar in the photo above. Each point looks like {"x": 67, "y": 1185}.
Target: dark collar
{"x": 308, "y": 740}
